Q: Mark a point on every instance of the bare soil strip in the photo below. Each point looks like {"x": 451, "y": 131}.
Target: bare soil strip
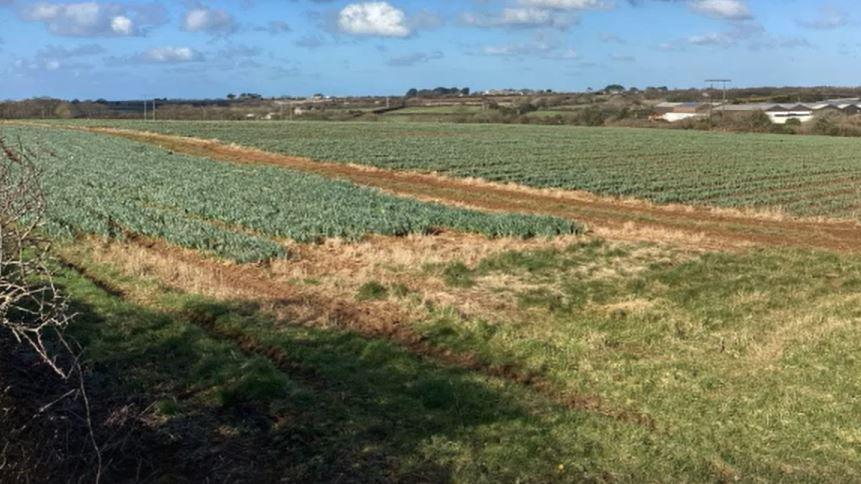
{"x": 621, "y": 219}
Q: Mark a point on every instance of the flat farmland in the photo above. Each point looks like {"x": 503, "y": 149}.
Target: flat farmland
{"x": 281, "y": 318}
{"x": 808, "y": 176}
{"x": 102, "y": 185}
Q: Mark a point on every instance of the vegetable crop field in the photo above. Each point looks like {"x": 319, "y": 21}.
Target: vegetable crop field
{"x": 107, "y": 185}
{"x": 802, "y": 175}
{"x": 326, "y": 322}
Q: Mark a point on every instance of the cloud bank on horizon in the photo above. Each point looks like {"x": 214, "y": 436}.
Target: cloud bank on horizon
{"x": 207, "y": 48}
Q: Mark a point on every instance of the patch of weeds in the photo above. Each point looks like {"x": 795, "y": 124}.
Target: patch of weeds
{"x": 435, "y": 392}
{"x": 261, "y": 384}
{"x": 372, "y": 291}
{"x": 551, "y": 261}
{"x": 450, "y": 330}
{"x": 530, "y": 261}
{"x": 588, "y": 247}
{"x": 400, "y": 290}
{"x": 459, "y": 275}
{"x": 168, "y": 407}
{"x": 543, "y": 298}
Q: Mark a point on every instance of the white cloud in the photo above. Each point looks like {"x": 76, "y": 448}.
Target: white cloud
{"x": 416, "y": 58}
{"x": 516, "y": 50}
{"x": 519, "y": 17}
{"x": 725, "y": 9}
{"x": 209, "y": 20}
{"x": 169, "y": 55}
{"x": 829, "y": 17}
{"x": 719, "y": 38}
{"x": 542, "y": 46}
{"x": 91, "y": 19}
{"x": 535, "y": 13}
{"x": 513, "y": 16}
{"x": 55, "y": 57}
{"x": 750, "y": 35}
{"x": 373, "y": 18}
{"x": 122, "y": 25}
{"x": 566, "y": 4}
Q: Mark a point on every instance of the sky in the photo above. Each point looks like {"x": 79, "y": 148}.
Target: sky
{"x": 209, "y": 48}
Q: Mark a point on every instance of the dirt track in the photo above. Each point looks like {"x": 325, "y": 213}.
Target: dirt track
{"x": 699, "y": 227}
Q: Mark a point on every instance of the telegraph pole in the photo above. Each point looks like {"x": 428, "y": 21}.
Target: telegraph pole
{"x": 723, "y": 83}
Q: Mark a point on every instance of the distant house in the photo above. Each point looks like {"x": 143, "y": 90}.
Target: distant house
{"x": 673, "y": 112}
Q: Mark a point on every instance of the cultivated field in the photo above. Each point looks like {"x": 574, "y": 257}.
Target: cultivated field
{"x": 280, "y": 318}
{"x": 807, "y": 175}
{"x": 105, "y": 186}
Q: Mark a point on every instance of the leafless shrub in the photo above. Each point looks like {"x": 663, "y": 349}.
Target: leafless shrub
{"x": 31, "y": 307}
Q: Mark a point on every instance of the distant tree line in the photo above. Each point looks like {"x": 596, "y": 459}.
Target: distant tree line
{"x": 44, "y": 107}
{"x": 244, "y": 96}
{"x": 53, "y": 108}
{"x": 438, "y": 92}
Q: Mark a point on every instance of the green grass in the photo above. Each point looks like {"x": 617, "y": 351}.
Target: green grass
{"x": 746, "y": 363}
{"x": 436, "y": 110}
{"x": 371, "y": 291}
{"x": 458, "y": 275}
{"x": 340, "y": 405}
{"x": 546, "y": 113}
{"x": 804, "y": 175}
{"x": 105, "y": 185}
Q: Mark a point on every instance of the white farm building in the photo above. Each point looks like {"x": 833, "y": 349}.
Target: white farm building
{"x": 779, "y": 113}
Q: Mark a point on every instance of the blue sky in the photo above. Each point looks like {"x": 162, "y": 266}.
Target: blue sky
{"x": 125, "y": 49}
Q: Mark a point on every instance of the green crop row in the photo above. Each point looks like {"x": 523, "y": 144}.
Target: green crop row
{"x": 664, "y": 166}
{"x": 99, "y": 184}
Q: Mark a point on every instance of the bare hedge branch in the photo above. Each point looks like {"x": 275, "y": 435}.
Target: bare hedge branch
{"x": 32, "y": 309}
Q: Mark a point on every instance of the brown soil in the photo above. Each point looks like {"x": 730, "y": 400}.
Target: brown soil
{"x": 612, "y": 218}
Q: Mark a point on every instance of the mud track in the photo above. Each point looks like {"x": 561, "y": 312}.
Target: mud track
{"x": 621, "y": 219}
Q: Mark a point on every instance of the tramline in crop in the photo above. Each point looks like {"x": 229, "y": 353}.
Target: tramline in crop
{"x": 105, "y": 185}
{"x": 664, "y": 166}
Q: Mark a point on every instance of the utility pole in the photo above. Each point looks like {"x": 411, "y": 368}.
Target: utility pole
{"x": 723, "y": 83}
{"x": 153, "y": 109}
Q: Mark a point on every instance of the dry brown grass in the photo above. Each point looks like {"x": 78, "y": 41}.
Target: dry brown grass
{"x": 320, "y": 281}
{"x": 333, "y": 269}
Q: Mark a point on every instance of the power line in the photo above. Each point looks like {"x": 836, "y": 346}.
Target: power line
{"x": 723, "y": 83}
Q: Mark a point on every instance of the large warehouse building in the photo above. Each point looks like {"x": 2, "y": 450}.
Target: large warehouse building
{"x": 779, "y": 113}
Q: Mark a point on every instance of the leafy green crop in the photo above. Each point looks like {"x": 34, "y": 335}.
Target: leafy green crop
{"x": 105, "y": 185}
{"x": 805, "y": 175}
